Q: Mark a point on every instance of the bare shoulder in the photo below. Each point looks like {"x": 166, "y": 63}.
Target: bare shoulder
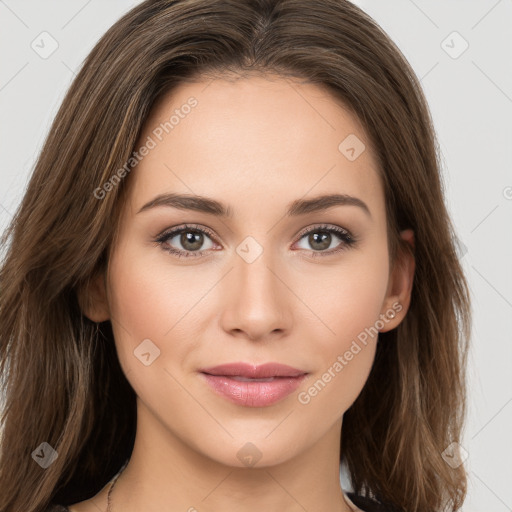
{"x": 83, "y": 506}
{"x": 56, "y": 508}
{"x": 94, "y": 504}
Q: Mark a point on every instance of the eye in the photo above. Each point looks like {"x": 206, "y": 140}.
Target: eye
{"x": 321, "y": 238}
{"x": 190, "y": 237}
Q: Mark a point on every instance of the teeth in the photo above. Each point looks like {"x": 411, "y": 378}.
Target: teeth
{"x": 245, "y": 379}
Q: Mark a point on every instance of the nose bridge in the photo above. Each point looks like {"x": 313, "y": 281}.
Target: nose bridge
{"x": 256, "y": 277}
{"x": 258, "y": 302}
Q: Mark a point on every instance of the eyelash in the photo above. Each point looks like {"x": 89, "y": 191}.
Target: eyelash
{"x": 348, "y": 240}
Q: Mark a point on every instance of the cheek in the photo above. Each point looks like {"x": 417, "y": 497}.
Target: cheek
{"x": 150, "y": 292}
{"x": 345, "y": 339}
{"x": 150, "y": 299}
{"x": 345, "y": 299}
{"x": 137, "y": 299}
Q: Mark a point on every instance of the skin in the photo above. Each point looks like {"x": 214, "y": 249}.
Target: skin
{"x": 256, "y": 144}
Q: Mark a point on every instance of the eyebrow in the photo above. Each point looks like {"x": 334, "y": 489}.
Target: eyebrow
{"x": 214, "y": 207}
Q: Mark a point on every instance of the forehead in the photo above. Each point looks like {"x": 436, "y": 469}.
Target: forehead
{"x": 254, "y": 137}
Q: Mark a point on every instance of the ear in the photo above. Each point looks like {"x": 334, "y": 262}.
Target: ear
{"x": 92, "y": 298}
{"x": 398, "y": 295}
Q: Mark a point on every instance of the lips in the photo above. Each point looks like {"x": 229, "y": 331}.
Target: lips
{"x": 253, "y": 386}
{"x": 248, "y": 371}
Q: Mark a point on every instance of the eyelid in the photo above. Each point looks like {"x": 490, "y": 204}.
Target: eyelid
{"x": 325, "y": 227}
{"x": 347, "y": 239}
{"x": 177, "y": 229}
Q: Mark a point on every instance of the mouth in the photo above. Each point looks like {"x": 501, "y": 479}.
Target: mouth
{"x": 249, "y": 379}
{"x": 253, "y": 386}
{"x": 250, "y": 371}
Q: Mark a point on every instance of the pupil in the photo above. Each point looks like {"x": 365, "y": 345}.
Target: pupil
{"x": 323, "y": 239}
{"x": 191, "y": 241}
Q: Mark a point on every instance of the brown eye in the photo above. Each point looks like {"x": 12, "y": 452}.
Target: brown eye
{"x": 185, "y": 241}
{"x": 191, "y": 241}
{"x": 321, "y": 238}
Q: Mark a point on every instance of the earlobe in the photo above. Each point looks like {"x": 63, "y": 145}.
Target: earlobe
{"x": 398, "y": 298}
{"x": 92, "y": 298}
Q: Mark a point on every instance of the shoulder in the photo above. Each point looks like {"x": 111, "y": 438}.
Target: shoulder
{"x": 53, "y": 507}
{"x": 368, "y": 504}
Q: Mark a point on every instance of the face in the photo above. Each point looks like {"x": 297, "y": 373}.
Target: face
{"x": 261, "y": 271}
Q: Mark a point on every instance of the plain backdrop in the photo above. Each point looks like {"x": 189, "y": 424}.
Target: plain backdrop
{"x": 461, "y": 51}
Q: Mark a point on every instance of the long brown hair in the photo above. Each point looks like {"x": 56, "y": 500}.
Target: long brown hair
{"x": 60, "y": 375}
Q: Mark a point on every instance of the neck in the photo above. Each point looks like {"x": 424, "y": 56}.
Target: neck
{"x": 178, "y": 477}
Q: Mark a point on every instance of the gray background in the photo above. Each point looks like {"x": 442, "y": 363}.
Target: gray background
{"x": 470, "y": 96}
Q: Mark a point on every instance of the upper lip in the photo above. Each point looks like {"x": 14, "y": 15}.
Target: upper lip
{"x": 248, "y": 370}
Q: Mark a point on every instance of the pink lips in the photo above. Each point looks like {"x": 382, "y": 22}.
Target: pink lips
{"x": 253, "y": 386}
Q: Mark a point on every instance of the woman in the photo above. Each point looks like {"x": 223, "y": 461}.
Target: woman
{"x": 233, "y": 269}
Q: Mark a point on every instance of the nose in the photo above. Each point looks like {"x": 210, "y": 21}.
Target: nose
{"x": 258, "y": 304}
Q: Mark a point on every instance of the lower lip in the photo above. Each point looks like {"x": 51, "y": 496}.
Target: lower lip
{"x": 255, "y": 393}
